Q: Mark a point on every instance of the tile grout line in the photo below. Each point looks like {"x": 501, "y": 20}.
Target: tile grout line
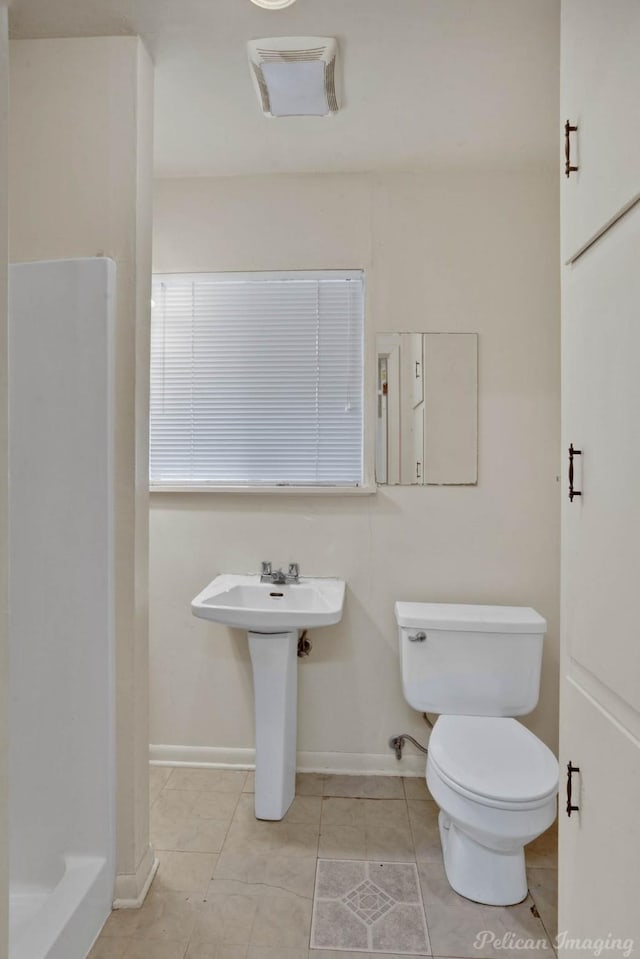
{"x": 253, "y": 923}
{"x": 426, "y": 912}
{"x": 313, "y": 901}
{"x": 415, "y": 852}
{"x": 543, "y": 923}
{"x": 226, "y": 833}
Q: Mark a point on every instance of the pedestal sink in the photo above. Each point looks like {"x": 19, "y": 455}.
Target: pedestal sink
{"x": 273, "y": 616}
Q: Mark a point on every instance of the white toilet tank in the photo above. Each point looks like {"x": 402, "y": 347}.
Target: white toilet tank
{"x": 470, "y": 660}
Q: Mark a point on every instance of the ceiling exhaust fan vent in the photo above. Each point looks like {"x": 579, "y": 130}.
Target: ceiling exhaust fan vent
{"x": 295, "y": 76}
{"x": 273, "y": 4}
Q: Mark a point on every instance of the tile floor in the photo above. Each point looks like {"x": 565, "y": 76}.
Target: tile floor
{"x": 229, "y": 887}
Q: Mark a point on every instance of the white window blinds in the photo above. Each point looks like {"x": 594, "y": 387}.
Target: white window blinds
{"x": 256, "y": 379}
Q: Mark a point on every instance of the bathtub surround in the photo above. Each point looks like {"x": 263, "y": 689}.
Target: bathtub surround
{"x": 80, "y": 165}
{"x": 61, "y": 613}
{"x": 4, "y": 538}
{"x": 442, "y": 252}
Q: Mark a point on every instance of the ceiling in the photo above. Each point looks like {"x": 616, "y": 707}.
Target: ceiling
{"x": 428, "y": 84}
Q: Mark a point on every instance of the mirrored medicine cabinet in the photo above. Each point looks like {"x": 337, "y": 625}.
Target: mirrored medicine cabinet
{"x": 427, "y": 409}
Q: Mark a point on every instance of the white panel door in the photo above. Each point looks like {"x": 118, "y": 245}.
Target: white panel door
{"x": 415, "y": 368}
{"x": 600, "y": 86}
{"x": 599, "y": 867}
{"x": 417, "y": 436}
{"x": 601, "y": 417}
{"x": 600, "y": 687}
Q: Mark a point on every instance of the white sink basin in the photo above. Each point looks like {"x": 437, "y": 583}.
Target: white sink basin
{"x": 245, "y": 602}
{"x": 273, "y": 617}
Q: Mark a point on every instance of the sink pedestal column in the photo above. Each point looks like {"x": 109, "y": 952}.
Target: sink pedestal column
{"x": 274, "y": 657}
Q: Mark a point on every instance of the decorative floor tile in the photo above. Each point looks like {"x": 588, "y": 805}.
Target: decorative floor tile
{"x": 373, "y": 907}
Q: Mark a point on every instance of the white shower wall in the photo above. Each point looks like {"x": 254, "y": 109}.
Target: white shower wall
{"x": 61, "y": 606}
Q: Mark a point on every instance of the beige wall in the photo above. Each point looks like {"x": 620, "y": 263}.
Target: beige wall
{"x": 441, "y": 252}
{"x": 80, "y": 173}
{"x": 4, "y": 692}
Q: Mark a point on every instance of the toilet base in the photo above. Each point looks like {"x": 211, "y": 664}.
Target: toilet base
{"x": 478, "y": 873}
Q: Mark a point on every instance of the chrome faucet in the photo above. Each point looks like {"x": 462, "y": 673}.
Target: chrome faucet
{"x": 278, "y": 577}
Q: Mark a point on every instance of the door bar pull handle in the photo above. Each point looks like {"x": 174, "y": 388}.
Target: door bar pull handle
{"x": 568, "y": 130}
{"x": 571, "y": 769}
{"x": 573, "y": 492}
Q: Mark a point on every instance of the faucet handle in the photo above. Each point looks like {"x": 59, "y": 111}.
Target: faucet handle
{"x": 266, "y": 568}
{"x": 294, "y": 570}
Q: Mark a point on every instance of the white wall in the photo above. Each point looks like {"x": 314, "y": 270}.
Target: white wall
{"x": 441, "y": 252}
{"x": 4, "y": 539}
{"x": 80, "y": 177}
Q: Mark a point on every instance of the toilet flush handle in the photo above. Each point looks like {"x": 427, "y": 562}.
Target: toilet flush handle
{"x": 417, "y": 637}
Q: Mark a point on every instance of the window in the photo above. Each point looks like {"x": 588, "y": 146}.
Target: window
{"x": 256, "y": 379}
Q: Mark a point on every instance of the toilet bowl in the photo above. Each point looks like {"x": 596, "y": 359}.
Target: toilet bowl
{"x": 496, "y": 786}
{"x": 494, "y": 781}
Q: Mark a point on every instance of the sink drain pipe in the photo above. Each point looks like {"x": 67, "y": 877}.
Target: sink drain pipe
{"x": 304, "y": 644}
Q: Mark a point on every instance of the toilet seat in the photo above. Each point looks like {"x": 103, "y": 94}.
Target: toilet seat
{"x": 494, "y": 761}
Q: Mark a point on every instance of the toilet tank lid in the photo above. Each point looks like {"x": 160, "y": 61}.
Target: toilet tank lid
{"x": 460, "y": 617}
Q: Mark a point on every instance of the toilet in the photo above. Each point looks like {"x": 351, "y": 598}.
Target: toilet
{"x": 494, "y": 782}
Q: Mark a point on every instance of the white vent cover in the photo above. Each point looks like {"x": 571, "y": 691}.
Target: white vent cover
{"x": 295, "y": 76}
{"x": 273, "y": 4}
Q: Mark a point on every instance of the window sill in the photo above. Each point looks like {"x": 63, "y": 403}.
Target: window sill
{"x": 270, "y": 490}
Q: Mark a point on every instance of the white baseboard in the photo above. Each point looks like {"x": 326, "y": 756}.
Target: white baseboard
{"x": 215, "y": 757}
{"x": 131, "y": 890}
{"x": 355, "y": 764}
